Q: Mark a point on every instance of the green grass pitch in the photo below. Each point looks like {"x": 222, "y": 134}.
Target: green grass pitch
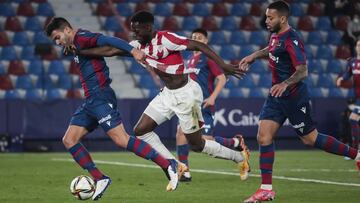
{"x": 45, "y": 178}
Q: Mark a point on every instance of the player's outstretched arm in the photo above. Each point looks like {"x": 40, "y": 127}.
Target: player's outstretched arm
{"x": 228, "y": 68}
{"x": 104, "y": 51}
{"x": 247, "y": 60}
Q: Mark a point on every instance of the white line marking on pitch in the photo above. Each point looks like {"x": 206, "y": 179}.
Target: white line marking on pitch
{"x": 217, "y": 172}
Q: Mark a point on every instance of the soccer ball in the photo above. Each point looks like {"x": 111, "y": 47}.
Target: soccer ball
{"x": 82, "y": 187}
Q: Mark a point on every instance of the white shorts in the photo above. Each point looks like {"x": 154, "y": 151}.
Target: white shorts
{"x": 184, "y": 102}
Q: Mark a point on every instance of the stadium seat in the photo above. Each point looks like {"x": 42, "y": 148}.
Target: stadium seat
{"x": 24, "y": 82}
{"x": 315, "y": 37}
{"x": 46, "y": 82}
{"x": 334, "y": 37}
{"x": 12, "y": 94}
{"x": 35, "y": 67}
{"x": 315, "y": 9}
{"x": 238, "y": 37}
{"x": 258, "y": 38}
{"x": 228, "y": 52}
{"x": 247, "y": 23}
{"x": 33, "y": 94}
{"x": 45, "y": 9}
{"x": 65, "y": 82}
{"x": 247, "y": 81}
{"x": 28, "y": 53}
{"x": 318, "y": 92}
{"x": 305, "y": 23}
{"x": 142, "y": 6}
{"x": 25, "y": 9}
{"x": 338, "y": 92}
{"x": 3, "y": 71}
{"x": 310, "y": 53}
{"x": 259, "y": 66}
{"x": 170, "y": 23}
{"x": 41, "y": 38}
{"x": 335, "y": 66}
{"x": 124, "y": 9}
{"x": 219, "y": 9}
{"x": 104, "y": 9}
{"x": 296, "y": 9}
{"x": 323, "y": 23}
{"x": 258, "y": 92}
{"x": 232, "y": 83}
{"x": 6, "y": 9}
{"x": 247, "y": 50}
{"x": 56, "y": 67}
{"x": 324, "y": 52}
{"x": 33, "y": 24}
{"x": 20, "y": 38}
{"x": 162, "y": 9}
{"x": 343, "y": 52}
{"x": 146, "y": 81}
{"x": 190, "y": 23}
{"x": 55, "y": 94}
{"x": 13, "y": 24}
{"x": 5, "y": 82}
{"x": 240, "y": 9}
{"x": 4, "y": 40}
{"x": 218, "y": 38}
{"x": 342, "y": 22}
{"x": 315, "y": 66}
{"x": 239, "y": 92}
{"x": 256, "y": 9}
{"x": 8, "y": 53}
{"x": 16, "y": 67}
{"x": 325, "y": 80}
{"x": 200, "y": 9}
{"x": 209, "y": 23}
{"x": 112, "y": 23}
{"x": 181, "y": 9}
{"x": 265, "y": 80}
{"x": 229, "y": 23}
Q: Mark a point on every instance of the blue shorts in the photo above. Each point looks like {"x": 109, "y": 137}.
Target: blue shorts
{"x": 296, "y": 109}
{"x": 99, "y": 109}
{"x": 208, "y": 127}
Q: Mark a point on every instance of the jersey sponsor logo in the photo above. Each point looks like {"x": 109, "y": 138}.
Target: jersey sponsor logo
{"x": 303, "y": 109}
{"x": 103, "y": 119}
{"x": 300, "y": 125}
{"x": 274, "y": 58}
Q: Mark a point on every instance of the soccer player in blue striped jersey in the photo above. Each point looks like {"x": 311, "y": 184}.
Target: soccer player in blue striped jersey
{"x": 288, "y": 98}
{"x": 207, "y": 72}
{"x": 100, "y": 106}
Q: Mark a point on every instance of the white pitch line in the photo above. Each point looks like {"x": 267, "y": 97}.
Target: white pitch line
{"x": 217, "y": 172}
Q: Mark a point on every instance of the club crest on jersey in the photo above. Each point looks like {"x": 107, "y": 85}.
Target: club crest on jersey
{"x": 76, "y": 59}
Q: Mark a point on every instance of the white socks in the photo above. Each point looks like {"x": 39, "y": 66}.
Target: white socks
{"x": 153, "y": 139}
{"x": 216, "y": 150}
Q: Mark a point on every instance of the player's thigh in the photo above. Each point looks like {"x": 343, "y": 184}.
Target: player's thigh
{"x": 267, "y": 131}
{"x": 73, "y": 135}
{"x": 119, "y": 135}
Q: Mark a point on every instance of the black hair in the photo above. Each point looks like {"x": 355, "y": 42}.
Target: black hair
{"x": 56, "y": 23}
{"x": 280, "y": 6}
{"x": 200, "y": 30}
{"x": 142, "y": 17}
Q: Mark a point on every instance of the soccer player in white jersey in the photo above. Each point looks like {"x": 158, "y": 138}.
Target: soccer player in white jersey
{"x": 181, "y": 96}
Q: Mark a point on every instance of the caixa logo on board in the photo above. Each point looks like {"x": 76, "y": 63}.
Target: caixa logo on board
{"x": 236, "y": 117}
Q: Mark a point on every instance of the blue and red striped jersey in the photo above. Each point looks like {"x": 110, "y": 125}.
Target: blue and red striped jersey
{"x": 94, "y": 73}
{"x": 353, "y": 70}
{"x": 286, "y": 51}
{"x": 206, "y": 70}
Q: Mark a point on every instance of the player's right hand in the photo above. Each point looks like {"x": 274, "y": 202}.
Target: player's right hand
{"x": 338, "y": 81}
{"x": 138, "y": 55}
{"x": 245, "y": 62}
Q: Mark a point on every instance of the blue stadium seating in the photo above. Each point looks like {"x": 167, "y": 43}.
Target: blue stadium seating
{"x": 325, "y": 80}
{"x": 200, "y": 9}
{"x": 259, "y": 66}
{"x": 124, "y": 9}
{"x": 2, "y": 69}
{"x": 53, "y": 94}
{"x": 247, "y": 50}
{"x": 41, "y": 38}
{"x": 35, "y": 67}
{"x": 315, "y": 66}
{"x": 265, "y": 80}
{"x": 238, "y": 37}
{"x": 228, "y": 23}
{"x": 228, "y": 52}
{"x": 21, "y": 38}
{"x": 147, "y": 82}
{"x": 323, "y": 23}
{"x": 238, "y": 92}
{"x": 296, "y": 9}
{"x": 218, "y": 37}
{"x": 33, "y": 94}
{"x": 28, "y": 53}
{"x": 315, "y": 37}
{"x": 162, "y": 9}
{"x": 258, "y": 92}
{"x": 6, "y": 10}
{"x": 334, "y": 37}
{"x": 335, "y": 66}
{"x": 8, "y": 53}
{"x": 45, "y": 82}
{"x": 12, "y": 94}
{"x": 258, "y": 38}
{"x": 45, "y": 9}
{"x": 317, "y": 92}
{"x": 24, "y": 82}
{"x": 338, "y": 92}
{"x": 56, "y": 67}
{"x": 247, "y": 81}
{"x": 190, "y": 23}
{"x": 33, "y": 24}
{"x": 324, "y": 52}
{"x": 112, "y": 23}
{"x": 65, "y": 82}
{"x": 239, "y": 9}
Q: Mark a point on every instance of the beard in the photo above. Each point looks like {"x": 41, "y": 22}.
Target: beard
{"x": 275, "y": 29}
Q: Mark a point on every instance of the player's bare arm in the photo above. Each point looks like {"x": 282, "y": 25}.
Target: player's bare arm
{"x": 221, "y": 81}
{"x": 246, "y": 61}
{"x": 229, "y": 69}
{"x": 300, "y": 73}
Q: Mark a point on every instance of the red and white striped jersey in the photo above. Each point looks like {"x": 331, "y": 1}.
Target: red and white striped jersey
{"x": 163, "y": 52}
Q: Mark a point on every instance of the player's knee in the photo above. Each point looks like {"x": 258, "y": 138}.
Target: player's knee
{"x": 263, "y": 139}
{"x": 68, "y": 141}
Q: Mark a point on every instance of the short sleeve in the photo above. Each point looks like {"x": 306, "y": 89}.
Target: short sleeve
{"x": 174, "y": 42}
{"x": 295, "y": 48}
{"x": 86, "y": 40}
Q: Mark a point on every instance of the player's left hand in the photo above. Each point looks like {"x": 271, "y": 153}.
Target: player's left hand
{"x": 69, "y": 50}
{"x": 278, "y": 89}
{"x": 138, "y": 55}
{"x": 209, "y": 102}
{"x": 233, "y": 70}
